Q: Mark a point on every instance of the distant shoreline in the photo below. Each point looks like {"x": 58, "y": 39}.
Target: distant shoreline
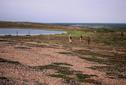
{"x": 4, "y": 24}
{"x": 64, "y": 26}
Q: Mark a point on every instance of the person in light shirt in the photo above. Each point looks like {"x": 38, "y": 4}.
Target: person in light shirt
{"x": 70, "y": 38}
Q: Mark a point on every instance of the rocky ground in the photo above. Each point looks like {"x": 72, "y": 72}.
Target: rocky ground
{"x": 28, "y": 64}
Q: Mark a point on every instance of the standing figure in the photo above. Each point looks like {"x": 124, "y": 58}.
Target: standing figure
{"x": 81, "y": 38}
{"x": 70, "y": 39}
{"x": 122, "y": 34}
{"x": 16, "y": 33}
{"x": 88, "y": 40}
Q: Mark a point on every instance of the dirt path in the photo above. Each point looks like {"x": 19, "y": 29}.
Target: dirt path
{"x": 40, "y": 56}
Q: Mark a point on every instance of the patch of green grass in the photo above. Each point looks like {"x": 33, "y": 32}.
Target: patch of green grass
{"x": 9, "y": 61}
{"x": 65, "y": 71}
{"x": 22, "y": 47}
{"x": 66, "y": 53}
{"x": 78, "y": 33}
{"x": 59, "y": 67}
{"x": 75, "y": 32}
{"x": 62, "y": 64}
{"x": 88, "y": 52}
{"x": 111, "y": 39}
{"x": 66, "y": 79}
{"x": 115, "y": 64}
{"x": 7, "y": 81}
{"x": 59, "y": 76}
{"x": 116, "y": 68}
{"x": 82, "y": 77}
{"x": 51, "y": 66}
{"x": 61, "y": 71}
{"x": 68, "y": 75}
{"x": 101, "y": 61}
{"x": 94, "y": 57}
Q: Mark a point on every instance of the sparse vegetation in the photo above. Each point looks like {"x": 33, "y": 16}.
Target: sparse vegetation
{"x": 9, "y": 61}
{"x": 115, "y": 64}
{"x": 82, "y": 77}
{"x": 101, "y": 39}
{"x": 65, "y": 73}
{"x": 7, "y": 81}
{"x": 62, "y": 64}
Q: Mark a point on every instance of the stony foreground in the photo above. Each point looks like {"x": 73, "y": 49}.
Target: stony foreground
{"x": 22, "y": 64}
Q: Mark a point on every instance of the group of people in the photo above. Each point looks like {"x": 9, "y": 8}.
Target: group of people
{"x": 81, "y": 39}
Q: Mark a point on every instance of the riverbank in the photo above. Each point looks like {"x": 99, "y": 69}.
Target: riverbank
{"x": 35, "y": 25}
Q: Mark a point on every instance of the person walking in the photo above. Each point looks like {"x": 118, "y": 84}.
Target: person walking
{"x": 88, "y": 40}
{"x": 70, "y": 38}
{"x": 81, "y": 38}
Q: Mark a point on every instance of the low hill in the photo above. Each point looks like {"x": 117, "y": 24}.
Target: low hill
{"x": 5, "y": 24}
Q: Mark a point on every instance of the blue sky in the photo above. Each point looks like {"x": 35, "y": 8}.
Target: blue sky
{"x": 58, "y": 11}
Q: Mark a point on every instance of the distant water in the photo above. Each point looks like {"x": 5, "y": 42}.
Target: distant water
{"x": 22, "y": 32}
{"x": 94, "y": 25}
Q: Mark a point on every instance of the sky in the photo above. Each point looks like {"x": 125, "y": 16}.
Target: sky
{"x": 64, "y": 11}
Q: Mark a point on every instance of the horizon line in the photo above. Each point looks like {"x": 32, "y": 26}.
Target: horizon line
{"x": 64, "y": 22}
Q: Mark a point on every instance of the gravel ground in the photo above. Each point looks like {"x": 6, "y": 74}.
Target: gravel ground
{"x": 21, "y": 73}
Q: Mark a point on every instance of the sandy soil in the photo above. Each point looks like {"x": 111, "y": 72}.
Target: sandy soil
{"x": 40, "y": 56}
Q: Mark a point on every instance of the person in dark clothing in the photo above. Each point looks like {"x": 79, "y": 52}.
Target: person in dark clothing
{"x": 122, "y": 34}
{"x": 88, "y": 40}
{"x": 81, "y": 38}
